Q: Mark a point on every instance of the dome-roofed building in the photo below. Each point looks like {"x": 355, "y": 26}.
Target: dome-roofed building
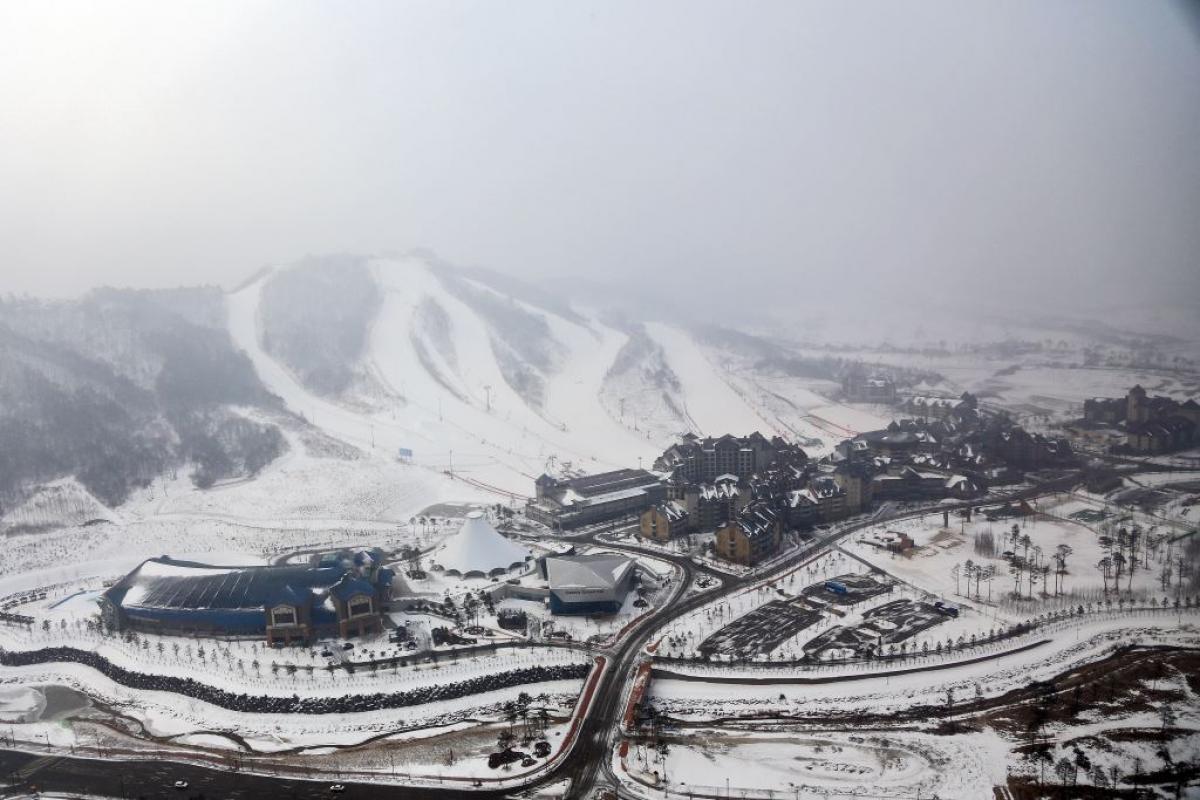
{"x": 286, "y": 604}
{"x": 479, "y": 551}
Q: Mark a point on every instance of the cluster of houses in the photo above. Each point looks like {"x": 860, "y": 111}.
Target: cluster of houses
{"x": 955, "y": 452}
{"x": 748, "y": 490}
{"x": 1138, "y": 423}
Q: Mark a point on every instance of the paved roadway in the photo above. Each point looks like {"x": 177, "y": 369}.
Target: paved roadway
{"x": 588, "y": 764}
{"x": 26, "y": 773}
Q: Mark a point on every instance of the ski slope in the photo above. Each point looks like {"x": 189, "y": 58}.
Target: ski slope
{"x": 449, "y": 401}
{"x": 712, "y": 404}
{"x": 446, "y": 372}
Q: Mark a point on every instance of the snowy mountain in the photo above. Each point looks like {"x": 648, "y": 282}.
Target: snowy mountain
{"x": 466, "y": 383}
{"x": 499, "y": 384}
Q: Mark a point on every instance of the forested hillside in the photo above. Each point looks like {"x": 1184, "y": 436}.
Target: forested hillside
{"x": 120, "y": 386}
{"x": 315, "y": 317}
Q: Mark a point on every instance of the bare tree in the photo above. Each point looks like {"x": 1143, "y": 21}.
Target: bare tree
{"x": 1061, "y": 553}
{"x": 1105, "y": 567}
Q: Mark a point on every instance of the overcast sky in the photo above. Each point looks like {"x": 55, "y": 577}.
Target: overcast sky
{"x": 1015, "y": 148}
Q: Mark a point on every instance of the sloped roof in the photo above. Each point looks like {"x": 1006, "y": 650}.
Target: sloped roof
{"x": 600, "y": 571}
{"x": 673, "y": 511}
{"x": 349, "y": 586}
{"x": 166, "y": 583}
{"x": 757, "y": 519}
{"x": 478, "y": 547}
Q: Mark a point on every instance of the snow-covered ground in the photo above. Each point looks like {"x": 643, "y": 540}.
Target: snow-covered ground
{"x": 859, "y": 690}
{"x": 734, "y": 737}
{"x": 878, "y": 764}
{"x": 940, "y": 553}
{"x": 165, "y": 714}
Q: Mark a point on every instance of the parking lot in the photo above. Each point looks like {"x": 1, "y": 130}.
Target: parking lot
{"x": 841, "y": 641}
{"x": 890, "y": 623}
{"x": 858, "y": 588}
{"x": 760, "y": 631}
{"x": 901, "y": 619}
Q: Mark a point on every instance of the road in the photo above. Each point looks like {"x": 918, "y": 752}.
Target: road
{"x": 149, "y": 779}
{"x": 587, "y": 765}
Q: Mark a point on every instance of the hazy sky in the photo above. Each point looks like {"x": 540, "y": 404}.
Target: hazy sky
{"x": 1016, "y": 148}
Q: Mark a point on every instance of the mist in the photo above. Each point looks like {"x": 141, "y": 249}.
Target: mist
{"x": 784, "y": 154}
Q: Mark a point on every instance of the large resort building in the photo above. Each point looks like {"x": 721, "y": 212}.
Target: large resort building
{"x": 345, "y": 595}
{"x": 1151, "y": 424}
{"x": 589, "y": 499}
{"x": 696, "y": 460}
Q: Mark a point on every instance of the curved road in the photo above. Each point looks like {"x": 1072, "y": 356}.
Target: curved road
{"x": 587, "y": 764}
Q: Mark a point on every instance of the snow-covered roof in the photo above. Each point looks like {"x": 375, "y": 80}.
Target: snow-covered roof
{"x": 801, "y": 497}
{"x": 718, "y": 491}
{"x": 167, "y": 583}
{"x": 479, "y": 548}
{"x": 600, "y": 571}
{"x": 674, "y": 511}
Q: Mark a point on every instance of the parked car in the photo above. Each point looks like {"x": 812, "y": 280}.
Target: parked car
{"x": 948, "y": 609}
{"x": 181, "y": 785}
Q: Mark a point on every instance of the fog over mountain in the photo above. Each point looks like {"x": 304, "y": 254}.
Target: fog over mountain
{"x": 1028, "y": 154}
{"x": 593, "y": 399}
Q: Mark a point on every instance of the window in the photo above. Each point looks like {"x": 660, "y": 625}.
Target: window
{"x": 283, "y": 615}
{"x": 360, "y": 605}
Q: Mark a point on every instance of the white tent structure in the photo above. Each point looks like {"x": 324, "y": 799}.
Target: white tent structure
{"x": 479, "y": 551}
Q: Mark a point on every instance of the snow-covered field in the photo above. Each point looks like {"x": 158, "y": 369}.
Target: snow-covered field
{"x": 877, "y": 764}
{"x": 860, "y": 691}
{"x": 940, "y": 553}
{"x": 165, "y": 714}
{"x": 759, "y": 756}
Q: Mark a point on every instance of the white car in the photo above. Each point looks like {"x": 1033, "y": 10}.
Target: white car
{"x": 181, "y": 785}
{"x": 337, "y": 788}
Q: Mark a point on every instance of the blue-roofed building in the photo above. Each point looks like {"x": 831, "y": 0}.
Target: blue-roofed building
{"x": 284, "y": 604}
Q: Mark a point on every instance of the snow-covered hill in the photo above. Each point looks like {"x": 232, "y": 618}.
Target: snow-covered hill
{"x": 499, "y": 388}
